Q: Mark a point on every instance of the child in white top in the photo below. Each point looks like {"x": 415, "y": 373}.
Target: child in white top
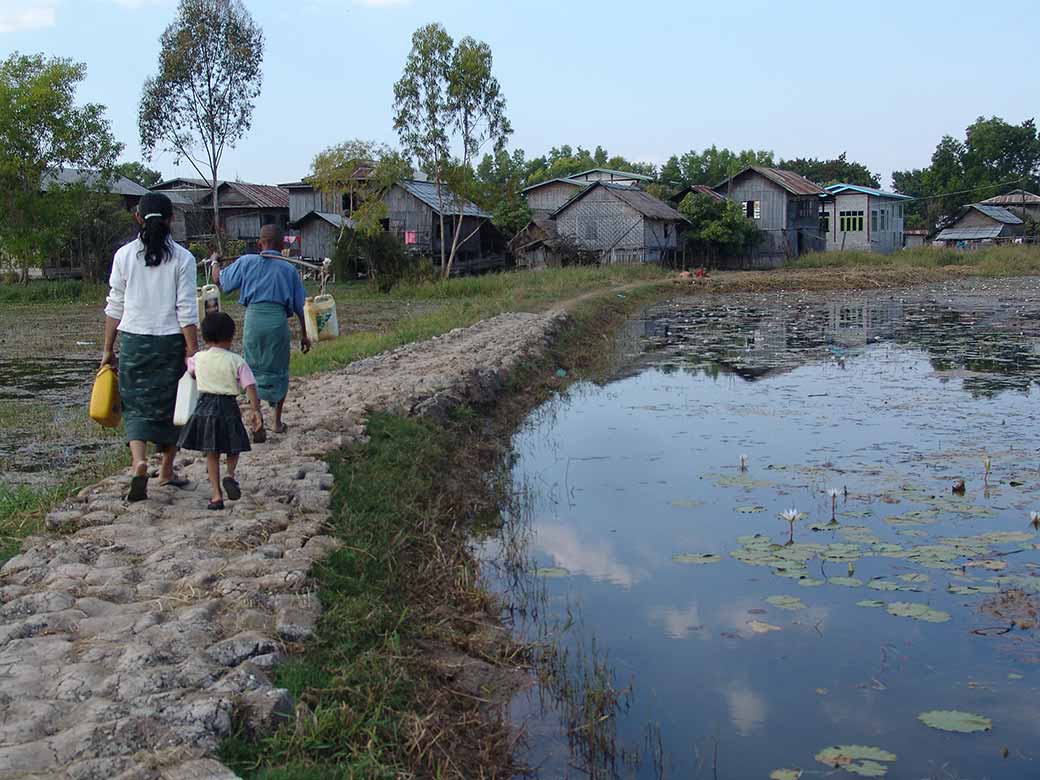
{"x": 216, "y": 425}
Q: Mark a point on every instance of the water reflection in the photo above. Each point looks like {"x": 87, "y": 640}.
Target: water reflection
{"x": 672, "y": 557}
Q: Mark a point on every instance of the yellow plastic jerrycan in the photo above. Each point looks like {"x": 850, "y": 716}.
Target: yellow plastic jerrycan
{"x": 319, "y": 313}
{"x": 208, "y": 298}
{"x": 105, "y": 407}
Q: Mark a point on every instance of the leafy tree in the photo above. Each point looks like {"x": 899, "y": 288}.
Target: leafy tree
{"x": 711, "y": 166}
{"x": 837, "y": 171}
{"x": 360, "y": 173}
{"x": 447, "y": 97}
{"x": 994, "y": 157}
{"x": 564, "y": 161}
{"x": 201, "y": 101}
{"x": 499, "y": 179}
{"x": 43, "y": 131}
{"x": 718, "y": 228}
{"x": 139, "y": 173}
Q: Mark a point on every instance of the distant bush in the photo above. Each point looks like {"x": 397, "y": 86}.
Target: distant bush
{"x": 63, "y": 291}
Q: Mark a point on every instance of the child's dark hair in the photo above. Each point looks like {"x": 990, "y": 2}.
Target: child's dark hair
{"x": 155, "y": 210}
{"x": 218, "y": 328}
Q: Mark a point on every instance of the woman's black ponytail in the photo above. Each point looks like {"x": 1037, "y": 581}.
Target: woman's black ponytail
{"x": 155, "y": 210}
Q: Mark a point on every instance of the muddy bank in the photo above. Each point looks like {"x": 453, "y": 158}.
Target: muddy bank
{"x": 137, "y": 639}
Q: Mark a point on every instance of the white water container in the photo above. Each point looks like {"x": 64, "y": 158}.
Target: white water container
{"x": 325, "y": 320}
{"x": 208, "y": 297}
{"x": 187, "y": 398}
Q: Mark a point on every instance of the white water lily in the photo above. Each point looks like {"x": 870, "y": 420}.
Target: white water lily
{"x": 987, "y": 463}
{"x": 791, "y": 515}
{"x": 743, "y": 462}
{"x": 834, "y": 492}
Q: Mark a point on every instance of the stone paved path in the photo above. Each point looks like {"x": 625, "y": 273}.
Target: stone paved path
{"x": 130, "y": 635}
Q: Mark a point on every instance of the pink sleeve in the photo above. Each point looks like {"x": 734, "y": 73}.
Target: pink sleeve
{"x": 245, "y": 376}
{"x": 191, "y": 365}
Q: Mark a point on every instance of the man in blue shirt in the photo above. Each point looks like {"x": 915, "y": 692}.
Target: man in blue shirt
{"x": 272, "y": 292}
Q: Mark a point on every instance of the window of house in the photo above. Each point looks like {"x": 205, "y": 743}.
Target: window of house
{"x": 589, "y": 232}
{"x": 850, "y": 221}
{"x": 873, "y": 220}
{"x": 666, "y": 231}
{"x": 825, "y": 221}
{"x": 752, "y": 209}
{"x": 806, "y": 208}
{"x": 884, "y": 219}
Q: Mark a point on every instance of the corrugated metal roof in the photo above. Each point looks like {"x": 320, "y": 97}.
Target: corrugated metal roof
{"x": 1014, "y": 198}
{"x": 263, "y": 195}
{"x": 185, "y": 197}
{"x": 789, "y": 180}
{"x": 834, "y": 189}
{"x": 426, "y": 191}
{"x": 622, "y": 174}
{"x": 970, "y": 233}
{"x": 336, "y": 220}
{"x": 571, "y": 182}
{"x": 118, "y": 185}
{"x": 998, "y": 213}
{"x": 697, "y": 189}
{"x": 644, "y": 203}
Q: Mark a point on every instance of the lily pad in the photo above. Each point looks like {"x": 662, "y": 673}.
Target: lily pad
{"x": 848, "y": 582}
{"x": 696, "y": 558}
{"x": 786, "y": 602}
{"x": 971, "y": 590}
{"x": 915, "y": 577}
{"x": 761, "y": 627}
{"x": 785, "y": 774}
{"x": 867, "y": 769}
{"x": 842, "y": 756}
{"x": 917, "y": 612}
{"x": 873, "y": 603}
{"x": 749, "y": 509}
{"x": 955, "y": 720}
{"x": 552, "y": 571}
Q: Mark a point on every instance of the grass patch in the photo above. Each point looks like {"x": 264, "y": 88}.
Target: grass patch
{"x": 1006, "y": 260}
{"x": 464, "y": 301}
{"x": 403, "y": 564}
{"x": 58, "y": 291}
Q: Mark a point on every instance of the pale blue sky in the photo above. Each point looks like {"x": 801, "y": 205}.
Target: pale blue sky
{"x": 882, "y": 81}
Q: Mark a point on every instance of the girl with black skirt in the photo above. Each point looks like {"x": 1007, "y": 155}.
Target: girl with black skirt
{"x": 216, "y": 425}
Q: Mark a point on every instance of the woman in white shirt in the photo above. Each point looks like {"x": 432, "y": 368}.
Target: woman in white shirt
{"x": 152, "y": 306}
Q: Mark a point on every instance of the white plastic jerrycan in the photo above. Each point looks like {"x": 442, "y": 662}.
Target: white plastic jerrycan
{"x": 208, "y": 297}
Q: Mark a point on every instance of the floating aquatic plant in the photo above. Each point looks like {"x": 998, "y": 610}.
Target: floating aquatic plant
{"x": 792, "y": 516}
{"x": 955, "y": 720}
{"x": 834, "y": 493}
{"x": 987, "y": 464}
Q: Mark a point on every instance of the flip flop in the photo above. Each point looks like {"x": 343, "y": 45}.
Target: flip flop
{"x": 176, "y": 482}
{"x": 216, "y": 506}
{"x": 234, "y": 492}
{"x": 283, "y": 428}
{"x": 138, "y": 489}
{"x": 260, "y": 436}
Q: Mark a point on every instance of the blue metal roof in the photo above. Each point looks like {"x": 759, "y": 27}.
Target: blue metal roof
{"x": 834, "y": 189}
{"x": 999, "y": 213}
{"x": 556, "y": 181}
{"x": 970, "y": 233}
{"x": 426, "y": 191}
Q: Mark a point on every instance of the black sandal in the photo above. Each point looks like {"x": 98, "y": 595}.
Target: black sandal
{"x": 175, "y": 482}
{"x": 215, "y": 506}
{"x": 234, "y": 492}
{"x": 138, "y": 489}
{"x": 260, "y": 436}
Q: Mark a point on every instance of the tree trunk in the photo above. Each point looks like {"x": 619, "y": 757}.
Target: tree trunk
{"x": 216, "y": 215}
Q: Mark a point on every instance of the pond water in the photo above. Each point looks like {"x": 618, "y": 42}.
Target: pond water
{"x": 688, "y": 630}
{"x": 44, "y": 428}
